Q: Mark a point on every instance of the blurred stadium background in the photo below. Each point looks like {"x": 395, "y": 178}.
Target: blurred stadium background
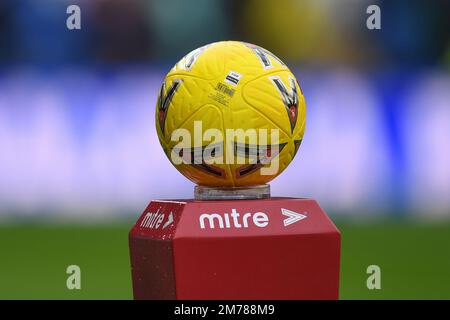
{"x": 79, "y": 156}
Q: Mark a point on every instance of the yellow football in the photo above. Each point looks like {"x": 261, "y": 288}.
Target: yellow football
{"x": 230, "y": 114}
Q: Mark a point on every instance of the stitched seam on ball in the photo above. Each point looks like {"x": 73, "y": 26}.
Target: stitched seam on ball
{"x": 289, "y": 134}
{"x": 188, "y": 118}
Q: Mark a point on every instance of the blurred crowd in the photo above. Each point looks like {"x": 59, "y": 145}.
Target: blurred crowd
{"x": 80, "y": 133}
{"x": 300, "y": 31}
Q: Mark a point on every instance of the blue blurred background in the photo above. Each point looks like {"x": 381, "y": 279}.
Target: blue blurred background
{"x": 77, "y": 136}
{"x": 79, "y": 156}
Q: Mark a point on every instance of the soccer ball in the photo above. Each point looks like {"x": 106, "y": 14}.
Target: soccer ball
{"x": 230, "y": 114}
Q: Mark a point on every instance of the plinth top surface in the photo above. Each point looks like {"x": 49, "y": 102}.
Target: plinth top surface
{"x": 189, "y": 218}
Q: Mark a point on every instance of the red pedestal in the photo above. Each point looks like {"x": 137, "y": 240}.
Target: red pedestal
{"x": 279, "y": 248}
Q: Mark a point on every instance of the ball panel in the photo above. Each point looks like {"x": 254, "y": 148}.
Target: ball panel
{"x": 189, "y": 98}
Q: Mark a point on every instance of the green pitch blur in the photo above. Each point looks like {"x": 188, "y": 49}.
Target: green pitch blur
{"x": 414, "y": 259}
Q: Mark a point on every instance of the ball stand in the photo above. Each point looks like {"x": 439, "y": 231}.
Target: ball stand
{"x": 253, "y": 247}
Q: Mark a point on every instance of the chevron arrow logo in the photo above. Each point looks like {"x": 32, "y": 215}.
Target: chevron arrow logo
{"x": 169, "y": 221}
{"x": 292, "y": 216}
